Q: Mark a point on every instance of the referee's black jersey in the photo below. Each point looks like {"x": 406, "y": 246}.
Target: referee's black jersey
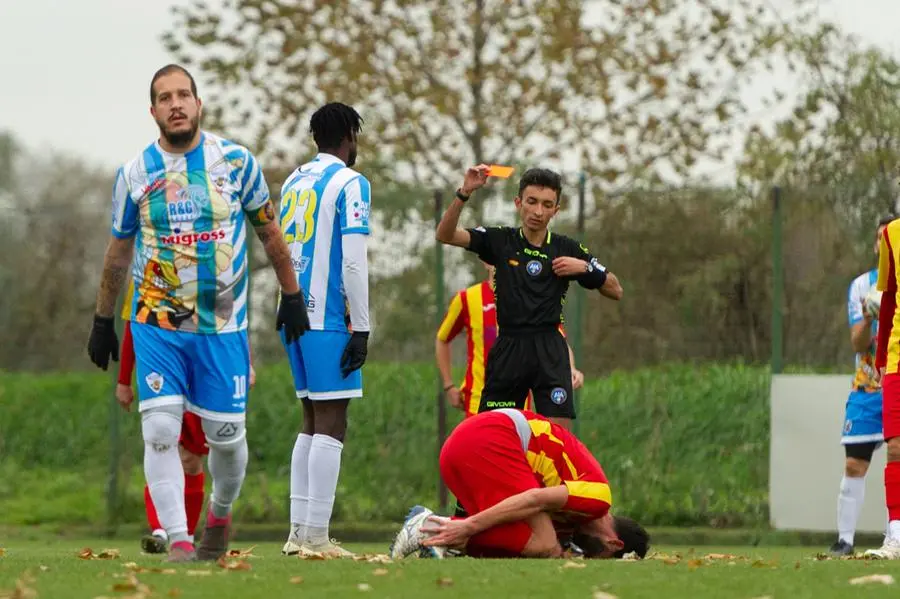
{"x": 528, "y": 294}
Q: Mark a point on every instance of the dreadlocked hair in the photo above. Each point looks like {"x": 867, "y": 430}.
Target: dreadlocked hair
{"x": 333, "y": 123}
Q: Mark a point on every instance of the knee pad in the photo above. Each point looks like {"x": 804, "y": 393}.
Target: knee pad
{"x": 224, "y": 435}
{"x": 161, "y": 427}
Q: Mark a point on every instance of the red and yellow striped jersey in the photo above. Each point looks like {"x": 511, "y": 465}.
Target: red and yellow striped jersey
{"x": 557, "y": 457}
{"x": 887, "y": 354}
{"x": 474, "y": 310}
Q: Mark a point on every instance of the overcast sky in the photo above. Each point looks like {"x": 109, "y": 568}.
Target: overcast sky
{"x": 75, "y": 74}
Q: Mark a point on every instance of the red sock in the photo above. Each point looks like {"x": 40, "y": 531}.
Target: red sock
{"x": 152, "y": 518}
{"x": 892, "y": 489}
{"x": 193, "y": 499}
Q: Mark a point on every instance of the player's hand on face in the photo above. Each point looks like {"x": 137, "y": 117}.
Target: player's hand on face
{"x": 103, "y": 342}
{"x": 475, "y": 178}
{"x": 454, "y": 397}
{"x": 567, "y": 266}
{"x": 125, "y": 396}
{"x": 446, "y": 532}
{"x": 577, "y": 378}
{"x": 252, "y": 377}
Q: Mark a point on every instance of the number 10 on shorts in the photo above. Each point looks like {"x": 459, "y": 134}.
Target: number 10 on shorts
{"x": 240, "y": 387}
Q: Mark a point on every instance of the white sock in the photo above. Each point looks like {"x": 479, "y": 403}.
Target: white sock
{"x": 164, "y": 472}
{"x": 850, "y": 502}
{"x": 300, "y": 486}
{"x": 324, "y": 468}
{"x": 894, "y": 529}
{"x": 227, "y": 467}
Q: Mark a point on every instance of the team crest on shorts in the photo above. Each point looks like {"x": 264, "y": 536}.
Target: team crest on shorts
{"x": 848, "y": 426}
{"x": 558, "y": 396}
{"x": 534, "y": 268}
{"x": 154, "y": 381}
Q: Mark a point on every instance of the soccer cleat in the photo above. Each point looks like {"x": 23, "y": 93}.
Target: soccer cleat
{"x": 890, "y": 550}
{"x": 214, "y": 543}
{"x": 182, "y": 552}
{"x": 292, "y": 547}
{"x": 154, "y": 543}
{"x": 330, "y": 549}
{"x": 841, "y": 548}
{"x": 409, "y": 539}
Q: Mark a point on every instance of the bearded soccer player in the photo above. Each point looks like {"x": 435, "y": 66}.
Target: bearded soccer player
{"x": 182, "y": 203}
{"x": 474, "y": 310}
{"x": 862, "y": 433}
{"x": 887, "y": 363}
{"x": 525, "y": 482}
{"x": 191, "y": 444}
{"x": 534, "y": 268}
{"x": 325, "y": 207}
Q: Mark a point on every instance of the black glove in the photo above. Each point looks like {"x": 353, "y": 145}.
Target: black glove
{"x": 355, "y": 353}
{"x": 103, "y": 342}
{"x": 292, "y": 316}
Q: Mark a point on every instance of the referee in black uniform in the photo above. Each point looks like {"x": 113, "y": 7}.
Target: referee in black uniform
{"x": 533, "y": 270}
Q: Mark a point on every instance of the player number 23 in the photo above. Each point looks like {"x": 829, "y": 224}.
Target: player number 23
{"x": 299, "y": 208}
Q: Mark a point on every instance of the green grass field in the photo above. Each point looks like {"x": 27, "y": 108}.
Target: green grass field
{"x": 49, "y": 570}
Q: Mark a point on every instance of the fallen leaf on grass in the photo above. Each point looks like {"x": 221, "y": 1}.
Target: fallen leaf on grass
{"x": 364, "y": 587}
{"x": 671, "y": 561}
{"x": 873, "y": 579}
{"x": 198, "y": 572}
{"x": 44, "y": 568}
{"x": 296, "y": 579}
{"x": 174, "y": 592}
{"x": 88, "y": 553}
{"x": 693, "y": 564}
{"x": 233, "y": 565}
{"x": 571, "y": 564}
{"x": 763, "y": 564}
{"x": 603, "y": 595}
{"x": 373, "y": 558}
{"x": 2, "y": 551}
{"x": 314, "y": 556}
{"x": 445, "y": 582}
{"x": 248, "y": 552}
{"x": 720, "y": 556}
{"x": 380, "y": 571}
{"x": 22, "y": 591}
{"x": 631, "y": 556}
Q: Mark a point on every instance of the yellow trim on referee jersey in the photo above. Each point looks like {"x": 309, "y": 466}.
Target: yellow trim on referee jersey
{"x": 475, "y": 306}
{"x": 589, "y": 490}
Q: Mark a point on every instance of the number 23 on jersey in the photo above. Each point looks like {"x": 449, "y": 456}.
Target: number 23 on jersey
{"x": 298, "y": 209}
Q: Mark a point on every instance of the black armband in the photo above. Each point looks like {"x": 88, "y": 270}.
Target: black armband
{"x": 594, "y": 278}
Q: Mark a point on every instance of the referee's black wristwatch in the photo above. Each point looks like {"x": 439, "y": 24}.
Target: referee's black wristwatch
{"x": 462, "y": 197}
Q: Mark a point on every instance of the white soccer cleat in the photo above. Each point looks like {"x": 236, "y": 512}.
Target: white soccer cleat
{"x": 330, "y": 549}
{"x": 890, "y": 550}
{"x": 409, "y": 540}
{"x": 292, "y": 547}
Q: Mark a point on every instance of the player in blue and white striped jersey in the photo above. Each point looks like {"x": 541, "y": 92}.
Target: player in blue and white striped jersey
{"x": 325, "y": 221}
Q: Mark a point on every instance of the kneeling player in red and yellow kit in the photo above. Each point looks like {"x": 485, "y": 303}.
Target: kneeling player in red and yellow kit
{"x": 525, "y": 482}
{"x": 192, "y": 445}
{"x": 887, "y": 363}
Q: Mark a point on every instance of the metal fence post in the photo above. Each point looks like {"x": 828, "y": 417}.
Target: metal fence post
{"x": 777, "y": 359}
{"x": 438, "y": 305}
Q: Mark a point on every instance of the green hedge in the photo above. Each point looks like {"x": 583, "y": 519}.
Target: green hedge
{"x": 682, "y": 445}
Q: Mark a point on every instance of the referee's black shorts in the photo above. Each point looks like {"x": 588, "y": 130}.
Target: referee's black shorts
{"x": 536, "y": 360}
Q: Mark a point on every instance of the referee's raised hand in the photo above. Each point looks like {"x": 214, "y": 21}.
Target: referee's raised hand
{"x": 476, "y": 177}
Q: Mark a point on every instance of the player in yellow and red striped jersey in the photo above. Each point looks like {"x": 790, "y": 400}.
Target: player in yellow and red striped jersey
{"x": 192, "y": 444}
{"x": 474, "y": 310}
{"x": 887, "y": 364}
{"x": 526, "y": 482}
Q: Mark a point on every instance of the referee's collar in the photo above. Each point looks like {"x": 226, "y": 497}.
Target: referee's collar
{"x": 329, "y": 158}
{"x": 546, "y": 241}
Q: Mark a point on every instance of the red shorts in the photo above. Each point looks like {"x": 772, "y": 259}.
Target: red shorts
{"x": 482, "y": 463}
{"x": 192, "y": 437}
{"x": 890, "y": 406}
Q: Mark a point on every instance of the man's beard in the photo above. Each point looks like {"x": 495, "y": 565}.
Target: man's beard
{"x": 180, "y": 138}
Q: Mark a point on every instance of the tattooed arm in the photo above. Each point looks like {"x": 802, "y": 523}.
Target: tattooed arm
{"x": 116, "y": 264}
{"x": 269, "y": 233}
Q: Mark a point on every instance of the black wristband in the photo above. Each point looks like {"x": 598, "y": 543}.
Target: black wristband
{"x": 461, "y": 196}
{"x": 594, "y": 278}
